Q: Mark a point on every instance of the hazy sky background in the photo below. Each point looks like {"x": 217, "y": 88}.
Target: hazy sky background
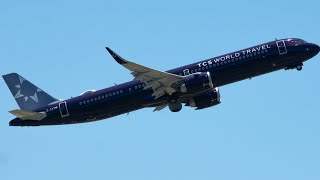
{"x": 266, "y": 128}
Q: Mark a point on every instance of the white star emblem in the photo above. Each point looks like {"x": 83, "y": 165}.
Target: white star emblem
{"x": 19, "y": 93}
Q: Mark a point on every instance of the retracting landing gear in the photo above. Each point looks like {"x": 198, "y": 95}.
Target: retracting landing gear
{"x": 295, "y": 66}
{"x": 175, "y": 107}
{"x": 299, "y": 67}
{"x": 174, "y": 104}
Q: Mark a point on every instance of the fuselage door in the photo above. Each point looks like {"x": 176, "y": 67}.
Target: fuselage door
{"x": 282, "y": 47}
{"x": 186, "y": 72}
{"x": 63, "y": 109}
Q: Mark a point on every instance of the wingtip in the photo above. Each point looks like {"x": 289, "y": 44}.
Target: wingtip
{"x": 109, "y": 50}
{"x": 118, "y": 58}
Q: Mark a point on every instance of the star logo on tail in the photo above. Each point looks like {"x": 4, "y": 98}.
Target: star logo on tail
{"x": 25, "y": 97}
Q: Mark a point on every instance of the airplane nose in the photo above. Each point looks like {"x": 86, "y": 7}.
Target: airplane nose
{"x": 318, "y": 48}
{"x": 314, "y": 48}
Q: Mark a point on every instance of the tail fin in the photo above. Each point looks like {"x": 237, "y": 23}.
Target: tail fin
{"x": 28, "y": 96}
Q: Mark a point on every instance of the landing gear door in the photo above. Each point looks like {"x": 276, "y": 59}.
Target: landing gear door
{"x": 282, "y": 47}
{"x": 63, "y": 109}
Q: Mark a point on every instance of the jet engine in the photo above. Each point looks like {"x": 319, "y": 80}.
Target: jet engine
{"x": 197, "y": 82}
{"x": 208, "y": 99}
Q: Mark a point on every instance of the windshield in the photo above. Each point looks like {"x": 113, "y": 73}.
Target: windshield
{"x": 298, "y": 42}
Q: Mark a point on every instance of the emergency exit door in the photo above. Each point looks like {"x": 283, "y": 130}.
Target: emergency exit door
{"x": 63, "y": 109}
{"x": 282, "y": 47}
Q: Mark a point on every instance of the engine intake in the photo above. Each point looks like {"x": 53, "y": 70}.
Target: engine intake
{"x": 197, "y": 82}
{"x": 207, "y": 99}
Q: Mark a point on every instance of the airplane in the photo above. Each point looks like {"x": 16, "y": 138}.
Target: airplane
{"x": 195, "y": 85}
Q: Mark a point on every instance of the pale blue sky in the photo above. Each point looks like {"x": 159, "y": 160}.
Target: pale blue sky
{"x": 266, "y": 128}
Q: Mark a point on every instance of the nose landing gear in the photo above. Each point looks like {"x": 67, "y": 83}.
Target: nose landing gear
{"x": 299, "y": 67}
{"x": 295, "y": 66}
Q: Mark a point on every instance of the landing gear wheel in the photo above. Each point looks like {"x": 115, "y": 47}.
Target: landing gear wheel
{"x": 172, "y": 99}
{"x": 299, "y": 67}
{"x": 175, "y": 107}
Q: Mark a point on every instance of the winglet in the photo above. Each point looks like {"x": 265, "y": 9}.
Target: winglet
{"x": 118, "y": 58}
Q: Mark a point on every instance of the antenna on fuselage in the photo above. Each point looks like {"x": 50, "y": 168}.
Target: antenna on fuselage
{"x": 276, "y": 39}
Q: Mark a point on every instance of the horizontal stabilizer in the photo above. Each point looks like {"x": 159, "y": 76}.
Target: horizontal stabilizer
{"x": 28, "y": 115}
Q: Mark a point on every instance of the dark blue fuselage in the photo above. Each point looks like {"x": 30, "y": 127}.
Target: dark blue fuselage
{"x": 130, "y": 96}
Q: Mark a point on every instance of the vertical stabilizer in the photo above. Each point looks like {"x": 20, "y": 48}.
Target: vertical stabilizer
{"x": 28, "y": 96}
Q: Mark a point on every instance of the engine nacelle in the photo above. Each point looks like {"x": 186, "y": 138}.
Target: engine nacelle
{"x": 197, "y": 82}
{"x": 207, "y": 99}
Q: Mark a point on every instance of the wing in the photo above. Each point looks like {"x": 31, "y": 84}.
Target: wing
{"x": 161, "y": 82}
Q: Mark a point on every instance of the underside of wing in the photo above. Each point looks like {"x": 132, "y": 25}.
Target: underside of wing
{"x": 161, "y": 82}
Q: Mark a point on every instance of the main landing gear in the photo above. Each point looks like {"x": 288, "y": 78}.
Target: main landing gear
{"x": 299, "y": 67}
{"x": 174, "y": 104}
{"x": 176, "y": 107}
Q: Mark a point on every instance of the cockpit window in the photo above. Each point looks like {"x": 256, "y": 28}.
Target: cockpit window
{"x": 298, "y": 42}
